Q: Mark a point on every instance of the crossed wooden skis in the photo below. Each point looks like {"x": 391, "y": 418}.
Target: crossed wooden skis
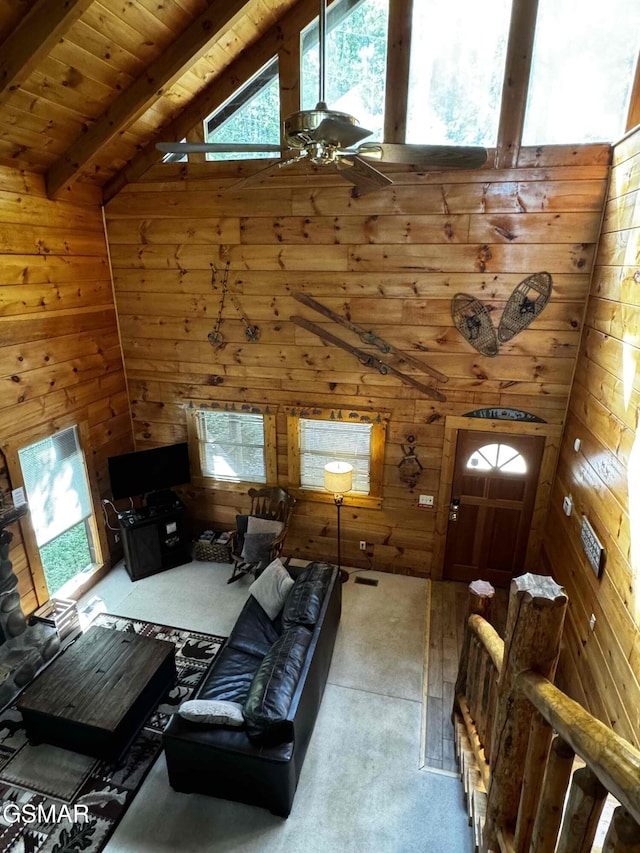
{"x": 384, "y": 366}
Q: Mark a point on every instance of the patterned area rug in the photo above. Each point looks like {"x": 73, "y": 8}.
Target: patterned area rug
{"x": 59, "y": 801}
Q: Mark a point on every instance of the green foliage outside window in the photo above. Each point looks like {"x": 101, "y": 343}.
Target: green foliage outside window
{"x": 252, "y": 115}
{"x": 356, "y": 45}
{"x": 65, "y": 556}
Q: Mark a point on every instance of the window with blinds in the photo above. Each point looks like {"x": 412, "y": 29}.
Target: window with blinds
{"x": 231, "y": 446}
{"x": 326, "y": 435}
{"x": 55, "y": 481}
{"x": 328, "y": 441}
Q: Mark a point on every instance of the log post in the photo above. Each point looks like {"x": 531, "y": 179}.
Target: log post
{"x": 491, "y": 705}
{"x": 485, "y": 670}
{"x": 479, "y": 601}
{"x": 537, "y": 606}
{"x": 537, "y": 755}
{"x": 554, "y": 788}
{"x": 623, "y": 835}
{"x": 584, "y": 807}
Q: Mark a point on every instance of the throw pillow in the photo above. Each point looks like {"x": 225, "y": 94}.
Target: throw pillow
{"x": 255, "y": 524}
{"x": 257, "y": 547}
{"x": 270, "y": 590}
{"x": 264, "y": 525}
{"x": 212, "y": 711}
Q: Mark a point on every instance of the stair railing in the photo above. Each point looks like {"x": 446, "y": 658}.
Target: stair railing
{"x": 523, "y": 734}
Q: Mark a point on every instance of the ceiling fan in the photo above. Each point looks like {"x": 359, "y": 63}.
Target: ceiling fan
{"x": 326, "y": 137}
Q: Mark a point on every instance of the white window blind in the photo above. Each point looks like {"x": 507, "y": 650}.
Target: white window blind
{"x": 56, "y": 484}
{"x": 325, "y": 441}
{"x": 231, "y": 446}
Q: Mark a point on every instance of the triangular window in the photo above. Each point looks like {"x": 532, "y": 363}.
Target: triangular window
{"x": 251, "y": 115}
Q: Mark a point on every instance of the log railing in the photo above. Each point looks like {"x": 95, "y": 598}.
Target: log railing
{"x": 522, "y": 734}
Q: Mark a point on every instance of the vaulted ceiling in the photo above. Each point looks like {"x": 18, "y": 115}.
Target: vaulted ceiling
{"x": 85, "y": 85}
{"x": 88, "y": 86}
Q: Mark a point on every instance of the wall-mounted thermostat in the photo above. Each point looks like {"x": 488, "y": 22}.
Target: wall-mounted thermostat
{"x": 592, "y": 547}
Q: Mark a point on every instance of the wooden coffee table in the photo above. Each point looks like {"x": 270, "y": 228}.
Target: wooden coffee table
{"x": 95, "y": 697}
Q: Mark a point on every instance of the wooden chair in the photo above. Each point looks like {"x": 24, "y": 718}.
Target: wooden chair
{"x": 270, "y": 502}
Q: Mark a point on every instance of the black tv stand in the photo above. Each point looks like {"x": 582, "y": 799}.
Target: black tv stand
{"x": 155, "y": 538}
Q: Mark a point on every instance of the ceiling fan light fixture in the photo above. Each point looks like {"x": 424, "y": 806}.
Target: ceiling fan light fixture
{"x": 322, "y": 125}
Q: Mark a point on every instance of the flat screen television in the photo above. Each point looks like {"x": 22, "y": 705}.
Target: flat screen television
{"x": 146, "y": 471}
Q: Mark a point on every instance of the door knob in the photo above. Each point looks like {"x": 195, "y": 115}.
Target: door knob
{"x": 454, "y": 508}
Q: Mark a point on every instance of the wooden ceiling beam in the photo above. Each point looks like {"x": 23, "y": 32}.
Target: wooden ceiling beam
{"x": 398, "y": 64}
{"x": 30, "y": 42}
{"x": 515, "y": 86}
{"x": 190, "y": 46}
{"x": 289, "y": 73}
{"x": 238, "y": 72}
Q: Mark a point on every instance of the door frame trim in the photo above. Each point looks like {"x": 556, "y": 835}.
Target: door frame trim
{"x": 552, "y": 434}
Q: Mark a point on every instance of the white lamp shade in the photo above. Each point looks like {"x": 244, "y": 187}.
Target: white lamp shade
{"x": 338, "y": 477}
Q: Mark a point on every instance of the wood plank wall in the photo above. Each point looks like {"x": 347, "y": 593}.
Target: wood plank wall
{"x": 390, "y": 261}
{"x": 60, "y": 356}
{"x": 601, "y": 668}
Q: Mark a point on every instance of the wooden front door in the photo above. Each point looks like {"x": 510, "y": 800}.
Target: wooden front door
{"x": 494, "y": 484}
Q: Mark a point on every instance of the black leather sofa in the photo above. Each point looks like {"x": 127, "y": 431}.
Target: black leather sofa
{"x": 260, "y": 762}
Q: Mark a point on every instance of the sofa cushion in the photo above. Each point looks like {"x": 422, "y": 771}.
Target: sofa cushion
{"x": 305, "y": 598}
{"x": 254, "y": 633}
{"x": 274, "y": 684}
{"x": 212, "y": 711}
{"x": 230, "y": 676}
{"x": 272, "y": 587}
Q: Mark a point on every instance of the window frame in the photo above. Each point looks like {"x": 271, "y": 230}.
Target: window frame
{"x": 378, "y": 420}
{"x": 99, "y": 536}
{"x": 497, "y": 467}
{"x": 201, "y": 480}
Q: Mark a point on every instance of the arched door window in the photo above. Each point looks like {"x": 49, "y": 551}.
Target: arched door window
{"x": 498, "y": 457}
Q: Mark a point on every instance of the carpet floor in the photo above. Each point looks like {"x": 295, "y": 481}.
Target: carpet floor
{"x": 52, "y": 799}
{"x": 362, "y": 787}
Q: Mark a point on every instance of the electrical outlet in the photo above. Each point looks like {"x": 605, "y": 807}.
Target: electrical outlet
{"x": 363, "y": 545}
{"x": 592, "y": 622}
{"x": 425, "y": 500}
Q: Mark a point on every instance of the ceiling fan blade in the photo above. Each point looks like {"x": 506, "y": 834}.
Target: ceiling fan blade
{"x": 213, "y": 147}
{"x": 442, "y": 156}
{"x": 364, "y": 177}
{"x": 340, "y": 132}
{"x": 267, "y": 172}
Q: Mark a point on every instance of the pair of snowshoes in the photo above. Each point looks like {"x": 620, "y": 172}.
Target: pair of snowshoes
{"x": 474, "y": 322}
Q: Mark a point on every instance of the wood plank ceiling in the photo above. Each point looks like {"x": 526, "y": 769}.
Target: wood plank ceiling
{"x": 87, "y": 86}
